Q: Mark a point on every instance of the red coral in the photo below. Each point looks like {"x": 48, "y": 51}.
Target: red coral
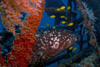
{"x": 23, "y": 43}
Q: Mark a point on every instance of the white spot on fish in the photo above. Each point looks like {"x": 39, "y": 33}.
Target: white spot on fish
{"x": 51, "y": 34}
{"x": 55, "y": 39}
{"x": 69, "y": 41}
{"x": 56, "y": 45}
{"x": 44, "y": 37}
{"x": 50, "y": 42}
{"x": 37, "y": 35}
{"x": 43, "y": 48}
{"x": 65, "y": 36}
{"x": 51, "y": 38}
{"x": 58, "y": 40}
{"x": 45, "y": 32}
{"x": 42, "y": 42}
{"x": 59, "y": 32}
{"x": 59, "y": 35}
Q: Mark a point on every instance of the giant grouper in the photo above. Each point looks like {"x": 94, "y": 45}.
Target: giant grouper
{"x": 50, "y": 42}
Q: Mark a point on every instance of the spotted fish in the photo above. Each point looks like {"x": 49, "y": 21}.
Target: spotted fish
{"x": 51, "y": 42}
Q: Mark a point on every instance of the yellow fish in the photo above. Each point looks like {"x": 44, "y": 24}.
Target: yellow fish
{"x": 58, "y": 9}
{"x": 62, "y": 7}
{"x": 70, "y": 24}
{"x": 47, "y": 24}
{"x": 63, "y": 22}
{"x": 70, "y": 48}
{"x": 74, "y": 49}
{"x": 68, "y": 8}
{"x": 62, "y": 16}
{"x": 53, "y": 27}
{"x": 70, "y": 54}
{"x": 52, "y": 16}
{"x": 65, "y": 18}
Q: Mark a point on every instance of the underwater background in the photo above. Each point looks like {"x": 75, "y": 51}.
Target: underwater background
{"x": 76, "y": 19}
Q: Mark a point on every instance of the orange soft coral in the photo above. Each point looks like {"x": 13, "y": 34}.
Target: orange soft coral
{"x": 24, "y": 41}
{"x": 11, "y": 11}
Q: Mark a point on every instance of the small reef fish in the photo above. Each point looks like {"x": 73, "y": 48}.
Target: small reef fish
{"x": 68, "y": 8}
{"x": 50, "y": 42}
{"x": 70, "y": 24}
{"x": 70, "y": 54}
{"x": 62, "y": 7}
{"x": 63, "y": 22}
{"x": 52, "y": 16}
{"x": 53, "y": 27}
{"x": 74, "y": 49}
{"x": 58, "y": 9}
{"x": 63, "y": 17}
{"x": 70, "y": 48}
{"x": 47, "y": 24}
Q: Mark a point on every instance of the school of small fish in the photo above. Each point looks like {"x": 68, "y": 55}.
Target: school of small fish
{"x": 63, "y": 22}
{"x": 73, "y": 49}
